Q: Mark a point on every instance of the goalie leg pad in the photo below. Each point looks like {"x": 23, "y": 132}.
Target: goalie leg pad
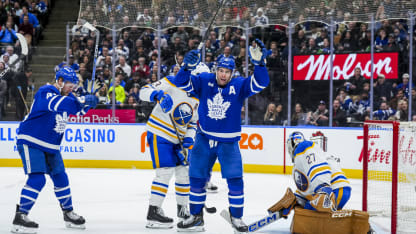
{"x": 160, "y": 185}
{"x": 182, "y": 186}
{"x": 342, "y": 221}
{"x": 285, "y": 204}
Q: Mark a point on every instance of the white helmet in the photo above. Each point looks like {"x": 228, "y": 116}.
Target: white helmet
{"x": 292, "y": 142}
{"x": 200, "y": 68}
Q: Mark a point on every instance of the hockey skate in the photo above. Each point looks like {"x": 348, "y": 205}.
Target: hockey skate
{"x": 73, "y": 220}
{"x": 183, "y": 212}
{"x": 22, "y": 224}
{"x": 238, "y": 225}
{"x": 157, "y": 219}
{"x": 195, "y": 223}
{"x": 211, "y": 188}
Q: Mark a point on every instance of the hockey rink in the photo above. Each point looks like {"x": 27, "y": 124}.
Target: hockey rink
{"x": 116, "y": 200}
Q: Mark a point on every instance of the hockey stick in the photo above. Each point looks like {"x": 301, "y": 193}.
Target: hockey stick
{"x": 210, "y": 210}
{"x": 257, "y": 225}
{"x": 24, "y": 100}
{"x": 201, "y": 44}
{"x": 179, "y": 139}
{"x": 97, "y": 38}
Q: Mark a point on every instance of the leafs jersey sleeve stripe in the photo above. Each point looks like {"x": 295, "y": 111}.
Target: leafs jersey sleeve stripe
{"x": 50, "y": 102}
{"x": 58, "y": 103}
{"x": 257, "y": 82}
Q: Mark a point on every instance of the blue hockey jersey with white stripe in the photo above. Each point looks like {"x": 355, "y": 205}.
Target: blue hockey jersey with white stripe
{"x": 312, "y": 170}
{"x": 44, "y": 126}
{"x": 220, "y": 107}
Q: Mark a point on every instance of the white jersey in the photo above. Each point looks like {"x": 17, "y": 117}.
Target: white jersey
{"x": 184, "y": 112}
{"x": 312, "y": 170}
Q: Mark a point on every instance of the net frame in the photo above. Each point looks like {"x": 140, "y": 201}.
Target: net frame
{"x": 401, "y": 179}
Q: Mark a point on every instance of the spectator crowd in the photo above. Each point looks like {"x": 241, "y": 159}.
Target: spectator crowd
{"x": 27, "y": 17}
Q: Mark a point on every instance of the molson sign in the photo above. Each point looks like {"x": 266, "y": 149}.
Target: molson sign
{"x": 317, "y": 67}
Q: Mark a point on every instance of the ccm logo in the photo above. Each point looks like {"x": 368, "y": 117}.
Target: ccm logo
{"x": 342, "y": 214}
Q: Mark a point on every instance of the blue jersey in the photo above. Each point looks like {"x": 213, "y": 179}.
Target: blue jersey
{"x": 44, "y": 126}
{"x": 220, "y": 107}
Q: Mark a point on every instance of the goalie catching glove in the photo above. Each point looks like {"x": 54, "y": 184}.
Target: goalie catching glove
{"x": 259, "y": 53}
{"x": 284, "y": 205}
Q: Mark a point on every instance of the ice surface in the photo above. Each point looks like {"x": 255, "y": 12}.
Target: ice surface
{"x": 116, "y": 200}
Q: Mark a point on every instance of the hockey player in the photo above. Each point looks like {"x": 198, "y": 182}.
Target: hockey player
{"x": 221, "y": 99}
{"x": 179, "y": 108}
{"x": 321, "y": 184}
{"x": 322, "y": 192}
{"x": 38, "y": 142}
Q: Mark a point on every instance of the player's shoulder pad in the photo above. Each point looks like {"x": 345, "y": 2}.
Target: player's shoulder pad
{"x": 302, "y": 147}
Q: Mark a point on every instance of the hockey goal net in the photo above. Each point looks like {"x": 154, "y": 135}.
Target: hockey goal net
{"x": 389, "y": 174}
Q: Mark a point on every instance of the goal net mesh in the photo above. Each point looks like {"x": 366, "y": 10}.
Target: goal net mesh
{"x": 380, "y": 161}
{"x": 198, "y": 13}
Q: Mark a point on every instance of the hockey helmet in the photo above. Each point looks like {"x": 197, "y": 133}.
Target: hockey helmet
{"x": 226, "y": 63}
{"x": 292, "y": 142}
{"x": 202, "y": 67}
{"x": 67, "y": 74}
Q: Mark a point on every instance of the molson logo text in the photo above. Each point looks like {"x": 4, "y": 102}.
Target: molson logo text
{"x": 317, "y": 67}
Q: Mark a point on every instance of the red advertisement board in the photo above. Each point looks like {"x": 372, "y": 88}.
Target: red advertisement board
{"x": 317, "y": 67}
{"x": 104, "y": 116}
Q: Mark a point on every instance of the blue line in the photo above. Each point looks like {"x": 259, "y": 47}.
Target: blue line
{"x": 177, "y": 184}
{"x": 321, "y": 173}
{"x": 164, "y": 127}
{"x": 317, "y": 165}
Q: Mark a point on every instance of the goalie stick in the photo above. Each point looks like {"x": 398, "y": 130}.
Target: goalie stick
{"x": 257, "y": 225}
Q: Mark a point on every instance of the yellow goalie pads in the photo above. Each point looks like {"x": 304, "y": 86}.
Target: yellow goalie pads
{"x": 342, "y": 221}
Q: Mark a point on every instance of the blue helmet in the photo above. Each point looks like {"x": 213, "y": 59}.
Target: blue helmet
{"x": 292, "y": 142}
{"x": 68, "y": 75}
{"x": 226, "y": 63}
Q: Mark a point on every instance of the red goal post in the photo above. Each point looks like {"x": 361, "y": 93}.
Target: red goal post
{"x": 389, "y": 173}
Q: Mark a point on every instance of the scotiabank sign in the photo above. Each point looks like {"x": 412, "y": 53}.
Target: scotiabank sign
{"x": 317, "y": 67}
{"x": 104, "y": 116}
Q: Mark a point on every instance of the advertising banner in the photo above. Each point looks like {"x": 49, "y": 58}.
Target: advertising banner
{"x": 104, "y": 116}
{"x": 317, "y": 67}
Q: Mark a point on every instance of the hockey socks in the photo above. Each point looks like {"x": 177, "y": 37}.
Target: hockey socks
{"x": 34, "y": 184}
{"x": 236, "y": 196}
{"x": 62, "y": 190}
{"x": 197, "y": 196}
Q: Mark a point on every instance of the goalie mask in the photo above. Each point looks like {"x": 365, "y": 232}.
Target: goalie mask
{"x": 202, "y": 67}
{"x": 292, "y": 142}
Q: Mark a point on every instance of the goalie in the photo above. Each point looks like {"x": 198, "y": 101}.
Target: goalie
{"x": 322, "y": 191}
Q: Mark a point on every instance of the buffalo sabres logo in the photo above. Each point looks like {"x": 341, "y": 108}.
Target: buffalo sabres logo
{"x": 182, "y": 113}
{"x": 301, "y": 181}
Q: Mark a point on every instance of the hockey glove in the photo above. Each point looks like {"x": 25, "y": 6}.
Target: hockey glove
{"x": 284, "y": 205}
{"x": 164, "y": 100}
{"x": 191, "y": 60}
{"x": 259, "y": 53}
{"x": 91, "y": 100}
{"x": 188, "y": 142}
{"x": 182, "y": 156}
{"x": 324, "y": 200}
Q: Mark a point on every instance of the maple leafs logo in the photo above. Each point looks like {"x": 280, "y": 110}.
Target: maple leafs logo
{"x": 61, "y": 121}
{"x": 255, "y": 141}
{"x": 217, "y": 107}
